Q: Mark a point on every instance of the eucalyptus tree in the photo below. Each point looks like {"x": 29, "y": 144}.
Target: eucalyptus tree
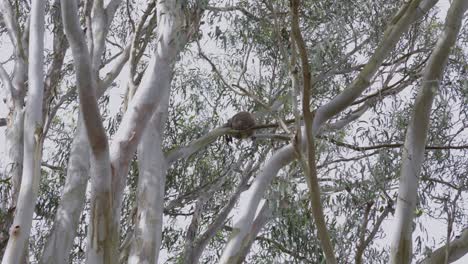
{"x": 135, "y": 98}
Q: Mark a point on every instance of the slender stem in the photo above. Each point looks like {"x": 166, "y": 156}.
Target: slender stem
{"x": 312, "y": 179}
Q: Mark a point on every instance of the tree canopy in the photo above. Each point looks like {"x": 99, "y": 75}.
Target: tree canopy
{"x": 114, "y": 116}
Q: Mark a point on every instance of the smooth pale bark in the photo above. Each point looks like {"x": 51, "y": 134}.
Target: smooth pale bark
{"x": 195, "y": 247}
{"x": 260, "y": 221}
{"x": 103, "y": 238}
{"x": 108, "y": 181}
{"x": 14, "y": 144}
{"x": 310, "y": 169}
{"x": 239, "y": 236}
{"x": 172, "y": 37}
{"x": 67, "y": 218}
{"x": 400, "y": 24}
{"x": 13, "y": 28}
{"x": 151, "y": 185}
{"x": 14, "y": 149}
{"x": 415, "y": 141}
{"x": 101, "y": 20}
{"x": 19, "y": 232}
{"x": 14, "y": 133}
{"x": 155, "y": 84}
{"x": 408, "y": 14}
{"x": 457, "y": 249}
{"x": 73, "y": 195}
{"x": 15, "y": 101}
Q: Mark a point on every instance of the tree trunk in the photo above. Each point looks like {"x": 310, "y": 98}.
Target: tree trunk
{"x": 19, "y": 232}
{"x": 15, "y": 148}
{"x": 415, "y": 142}
{"x": 151, "y": 182}
{"x": 60, "y": 241}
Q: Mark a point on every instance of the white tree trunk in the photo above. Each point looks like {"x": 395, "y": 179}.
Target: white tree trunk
{"x": 152, "y": 162}
{"x": 15, "y": 100}
{"x": 15, "y": 148}
{"x": 155, "y": 83}
{"x": 151, "y": 94}
{"x": 239, "y": 238}
{"x": 151, "y": 182}
{"x": 102, "y": 232}
{"x": 19, "y": 232}
{"x": 60, "y": 241}
{"x": 109, "y": 172}
{"x": 14, "y": 134}
{"x": 414, "y": 147}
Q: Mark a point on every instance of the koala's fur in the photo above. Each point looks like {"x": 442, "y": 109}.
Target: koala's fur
{"x": 243, "y": 122}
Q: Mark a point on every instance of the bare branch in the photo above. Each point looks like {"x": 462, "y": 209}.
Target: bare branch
{"x": 86, "y": 83}
{"x": 220, "y": 76}
{"x": 117, "y": 68}
{"x": 457, "y": 249}
{"x": 399, "y": 24}
{"x": 52, "y": 167}
{"x": 12, "y": 26}
{"x": 264, "y": 215}
{"x": 60, "y": 46}
{"x": 57, "y": 106}
{"x": 217, "y": 224}
{"x": 388, "y": 145}
{"x": 311, "y": 171}
{"x": 194, "y": 146}
{"x": 197, "y": 144}
{"x": 363, "y": 241}
{"x": 6, "y": 81}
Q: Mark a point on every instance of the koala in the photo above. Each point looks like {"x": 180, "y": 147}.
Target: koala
{"x": 243, "y": 122}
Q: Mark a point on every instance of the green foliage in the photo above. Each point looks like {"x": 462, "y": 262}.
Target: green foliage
{"x": 358, "y": 165}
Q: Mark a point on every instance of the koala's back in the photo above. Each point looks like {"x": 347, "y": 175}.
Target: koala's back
{"x": 242, "y": 121}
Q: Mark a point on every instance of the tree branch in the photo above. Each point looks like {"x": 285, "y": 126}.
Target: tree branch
{"x": 117, "y": 68}
{"x": 416, "y": 135}
{"x": 6, "y": 81}
{"x": 311, "y": 171}
{"x": 399, "y": 24}
{"x": 86, "y": 83}
{"x": 233, "y": 8}
{"x": 457, "y": 249}
{"x": 389, "y": 145}
{"x": 12, "y": 26}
